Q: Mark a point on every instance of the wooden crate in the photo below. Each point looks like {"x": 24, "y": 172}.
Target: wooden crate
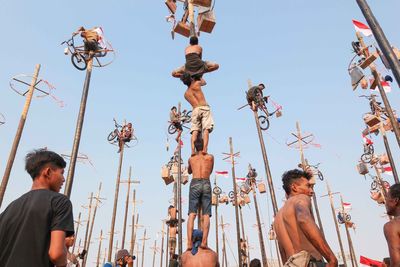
{"x": 183, "y": 29}
{"x": 206, "y": 21}
{"x": 369, "y": 60}
{"x": 371, "y": 120}
{"x": 261, "y": 188}
{"x": 171, "y": 6}
{"x": 203, "y": 3}
{"x": 246, "y": 199}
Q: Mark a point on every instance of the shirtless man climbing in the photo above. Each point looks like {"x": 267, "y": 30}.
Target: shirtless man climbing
{"x": 392, "y": 228}
{"x": 200, "y": 166}
{"x": 202, "y": 120}
{"x": 194, "y": 63}
{"x": 301, "y": 243}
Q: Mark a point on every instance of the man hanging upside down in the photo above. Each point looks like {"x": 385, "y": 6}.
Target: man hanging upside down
{"x": 202, "y": 120}
{"x": 194, "y": 63}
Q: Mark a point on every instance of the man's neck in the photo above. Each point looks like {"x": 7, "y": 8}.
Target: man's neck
{"x": 38, "y": 183}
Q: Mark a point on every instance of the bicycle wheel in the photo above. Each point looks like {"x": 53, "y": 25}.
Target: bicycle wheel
{"x": 111, "y": 136}
{"x": 320, "y": 175}
{"x": 78, "y": 61}
{"x": 217, "y": 190}
{"x": 366, "y": 158}
{"x": 264, "y": 122}
{"x": 348, "y": 218}
{"x": 231, "y": 195}
{"x": 171, "y": 129}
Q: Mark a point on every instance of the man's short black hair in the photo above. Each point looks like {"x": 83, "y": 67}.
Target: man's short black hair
{"x": 290, "y": 176}
{"x": 36, "y": 160}
{"x": 194, "y": 40}
{"x": 173, "y": 108}
{"x": 199, "y": 144}
{"x": 261, "y": 85}
{"x": 394, "y": 191}
{"x": 255, "y": 263}
{"x": 186, "y": 78}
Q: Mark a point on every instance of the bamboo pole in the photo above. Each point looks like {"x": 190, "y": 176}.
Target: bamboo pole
{"x": 78, "y": 222}
{"x": 17, "y": 137}
{"x": 350, "y": 242}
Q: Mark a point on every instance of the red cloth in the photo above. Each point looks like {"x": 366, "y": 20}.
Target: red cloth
{"x": 370, "y": 262}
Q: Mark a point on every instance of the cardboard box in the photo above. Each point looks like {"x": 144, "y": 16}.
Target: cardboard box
{"x": 171, "y": 6}
{"x": 206, "y": 21}
{"x": 182, "y": 28}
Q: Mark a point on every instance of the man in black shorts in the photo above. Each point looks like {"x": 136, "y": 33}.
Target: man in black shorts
{"x": 33, "y": 227}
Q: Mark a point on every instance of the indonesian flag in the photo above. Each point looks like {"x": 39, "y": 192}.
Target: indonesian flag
{"x": 386, "y": 86}
{"x": 346, "y": 206}
{"x": 387, "y": 170}
{"x": 367, "y": 140}
{"x": 361, "y": 27}
{"x": 369, "y": 262}
{"x": 222, "y": 173}
{"x": 241, "y": 179}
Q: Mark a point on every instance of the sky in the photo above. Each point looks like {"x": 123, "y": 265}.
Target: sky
{"x": 299, "y": 49}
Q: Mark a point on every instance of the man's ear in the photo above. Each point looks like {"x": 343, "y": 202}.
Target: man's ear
{"x": 293, "y": 187}
{"x": 46, "y": 171}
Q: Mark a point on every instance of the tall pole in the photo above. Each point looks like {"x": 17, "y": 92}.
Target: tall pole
{"x": 117, "y": 182}
{"x": 243, "y": 234}
{"x": 85, "y": 241}
{"x": 224, "y": 258}
{"x": 154, "y": 252}
{"x": 136, "y": 226}
{"x": 191, "y": 18}
{"x": 385, "y": 100}
{"x": 144, "y": 244}
{"x": 381, "y": 39}
{"x": 179, "y": 188}
{"x": 91, "y": 226}
{"x": 235, "y": 201}
{"x": 304, "y": 167}
{"x": 167, "y": 248}
{"x": 389, "y": 153}
{"x": 216, "y": 219}
{"x": 162, "y": 244}
{"x": 126, "y": 208}
{"x": 18, "y": 134}
{"x": 98, "y": 252}
{"x": 330, "y": 195}
{"x": 266, "y": 163}
{"x": 351, "y": 247}
{"x": 133, "y": 223}
{"x": 260, "y": 234}
{"x": 78, "y": 130}
{"x": 78, "y": 222}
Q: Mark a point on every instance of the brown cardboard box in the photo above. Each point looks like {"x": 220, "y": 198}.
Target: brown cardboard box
{"x": 183, "y": 29}
{"x": 206, "y": 21}
{"x": 371, "y": 120}
{"x": 171, "y": 6}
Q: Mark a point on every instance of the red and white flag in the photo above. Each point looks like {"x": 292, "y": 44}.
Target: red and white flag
{"x": 369, "y": 262}
{"x": 386, "y": 86}
{"x": 241, "y": 179}
{"x": 388, "y": 170}
{"x": 367, "y": 140}
{"x": 361, "y": 27}
{"x": 222, "y": 173}
{"x": 346, "y": 206}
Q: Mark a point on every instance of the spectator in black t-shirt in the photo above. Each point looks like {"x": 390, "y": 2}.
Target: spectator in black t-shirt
{"x": 33, "y": 227}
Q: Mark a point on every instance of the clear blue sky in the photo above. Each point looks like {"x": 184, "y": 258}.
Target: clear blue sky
{"x": 299, "y": 49}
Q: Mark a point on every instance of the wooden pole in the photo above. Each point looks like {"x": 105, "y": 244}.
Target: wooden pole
{"x": 260, "y": 234}
{"x": 243, "y": 236}
{"x": 162, "y": 245}
{"x": 224, "y": 258}
{"x": 98, "y": 252}
{"x": 179, "y": 189}
{"x": 351, "y": 247}
{"x": 85, "y": 241}
{"x": 91, "y": 226}
{"x": 17, "y": 137}
{"x": 216, "y": 220}
{"x": 117, "y": 182}
{"x": 167, "y": 248}
{"x": 154, "y": 252}
{"x": 79, "y": 127}
{"x": 144, "y": 244}
{"x": 133, "y": 223}
{"x": 78, "y": 222}
{"x": 304, "y": 165}
{"x": 330, "y": 195}
{"x": 235, "y": 201}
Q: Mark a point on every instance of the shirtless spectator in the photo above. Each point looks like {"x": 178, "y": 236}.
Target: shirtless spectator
{"x": 197, "y": 256}
{"x": 202, "y": 120}
{"x": 392, "y": 228}
{"x": 200, "y": 166}
{"x": 194, "y": 63}
{"x": 301, "y": 243}
{"x": 33, "y": 227}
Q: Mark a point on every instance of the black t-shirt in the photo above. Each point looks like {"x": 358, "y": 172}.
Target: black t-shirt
{"x": 26, "y": 225}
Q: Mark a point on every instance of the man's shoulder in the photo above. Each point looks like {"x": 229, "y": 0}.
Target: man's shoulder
{"x": 392, "y": 226}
